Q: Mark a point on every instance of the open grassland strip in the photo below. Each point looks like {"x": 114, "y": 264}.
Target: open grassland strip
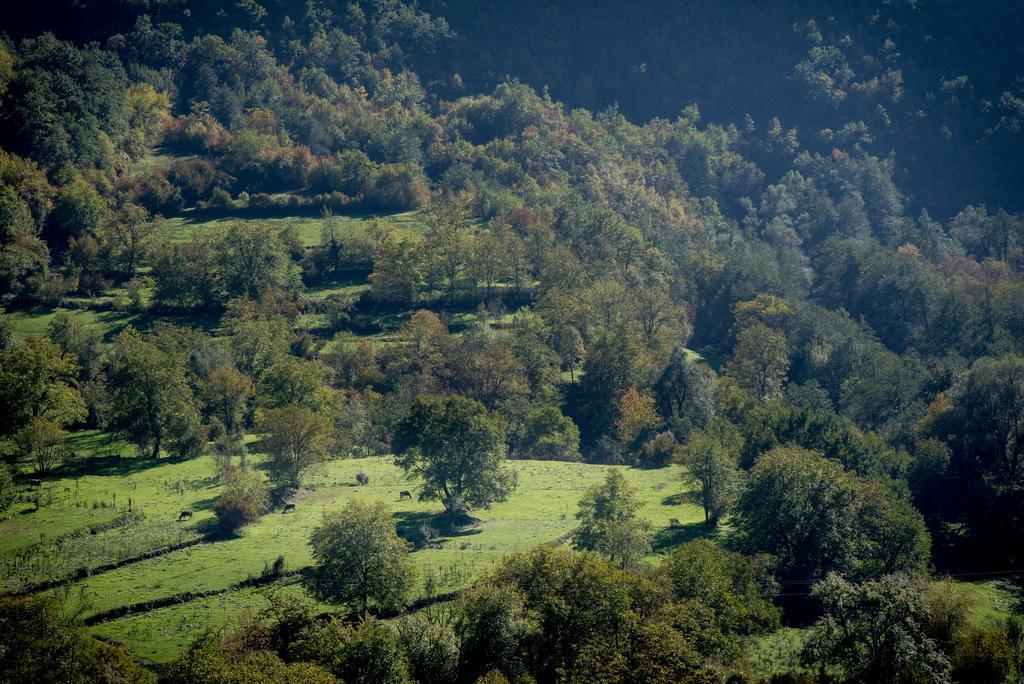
{"x": 161, "y": 634}
{"x": 185, "y": 597}
{"x": 308, "y": 223}
{"x": 541, "y": 511}
{"x": 82, "y": 573}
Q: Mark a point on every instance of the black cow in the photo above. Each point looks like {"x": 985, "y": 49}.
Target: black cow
{"x": 35, "y": 483}
{"x": 288, "y": 507}
{"x": 184, "y": 515}
{"x": 404, "y": 495}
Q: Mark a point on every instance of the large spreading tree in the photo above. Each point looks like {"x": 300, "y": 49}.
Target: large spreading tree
{"x": 360, "y": 561}
{"x": 38, "y": 382}
{"x": 458, "y": 448}
{"x": 816, "y": 517}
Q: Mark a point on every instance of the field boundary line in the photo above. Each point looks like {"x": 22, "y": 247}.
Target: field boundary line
{"x": 182, "y": 598}
{"x": 85, "y": 573}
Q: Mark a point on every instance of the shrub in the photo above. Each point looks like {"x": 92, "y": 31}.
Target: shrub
{"x": 242, "y": 501}
{"x": 8, "y": 493}
{"x": 362, "y": 478}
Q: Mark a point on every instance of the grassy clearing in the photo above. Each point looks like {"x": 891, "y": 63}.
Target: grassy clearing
{"x": 310, "y": 228}
{"x": 779, "y": 651}
{"x": 35, "y": 321}
{"x": 160, "y": 635}
{"x": 994, "y": 600}
{"x": 159, "y": 158}
{"x": 34, "y": 544}
{"x": 541, "y": 510}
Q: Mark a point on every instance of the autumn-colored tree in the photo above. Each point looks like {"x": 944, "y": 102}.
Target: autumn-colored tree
{"x": 637, "y": 415}
{"x": 227, "y": 392}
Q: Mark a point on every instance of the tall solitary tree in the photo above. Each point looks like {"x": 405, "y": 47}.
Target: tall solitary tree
{"x": 360, "y": 561}
{"x": 684, "y": 393}
{"x": 611, "y": 368}
{"x": 458, "y": 448}
{"x": 711, "y": 460}
{"x": 609, "y": 524}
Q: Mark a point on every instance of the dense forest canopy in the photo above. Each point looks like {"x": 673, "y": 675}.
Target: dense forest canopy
{"x": 778, "y": 247}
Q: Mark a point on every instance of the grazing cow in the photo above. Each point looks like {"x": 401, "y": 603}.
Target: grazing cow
{"x": 674, "y": 523}
{"x": 288, "y": 507}
{"x": 406, "y": 494}
{"x": 184, "y": 515}
{"x": 35, "y": 483}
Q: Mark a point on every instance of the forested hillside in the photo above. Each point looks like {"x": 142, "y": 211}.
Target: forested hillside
{"x": 726, "y": 297}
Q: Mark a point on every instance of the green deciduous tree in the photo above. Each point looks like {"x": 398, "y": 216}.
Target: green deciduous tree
{"x": 547, "y": 434}
{"x": 77, "y": 338}
{"x": 760, "y": 361}
{"x": 151, "y": 401}
{"x": 984, "y": 421}
{"x": 38, "y": 381}
{"x": 41, "y": 644}
{"x": 579, "y": 617}
{"x": 458, "y": 448}
{"x": 396, "y": 275}
{"x": 711, "y": 460}
{"x": 448, "y": 245}
{"x": 296, "y": 439}
{"x": 242, "y": 500}
{"x": 360, "y": 561}
{"x": 637, "y": 417}
{"x": 257, "y": 340}
{"x": 293, "y": 381}
{"x": 366, "y": 653}
{"x": 226, "y": 392}
{"x": 684, "y": 394}
{"x": 875, "y": 632}
{"x": 611, "y": 368}
{"x": 8, "y": 492}
{"x": 609, "y": 524}
{"x": 252, "y": 258}
{"x": 208, "y": 661}
{"x": 816, "y": 517}
{"x": 43, "y": 443}
{"x": 737, "y": 588}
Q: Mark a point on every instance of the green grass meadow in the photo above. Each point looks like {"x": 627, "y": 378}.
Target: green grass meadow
{"x": 310, "y": 228}
{"x": 54, "y": 540}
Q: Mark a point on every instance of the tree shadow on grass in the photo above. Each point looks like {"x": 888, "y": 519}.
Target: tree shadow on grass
{"x": 667, "y": 538}
{"x": 113, "y": 465}
{"x": 678, "y": 499}
{"x": 409, "y": 523}
{"x": 213, "y": 530}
